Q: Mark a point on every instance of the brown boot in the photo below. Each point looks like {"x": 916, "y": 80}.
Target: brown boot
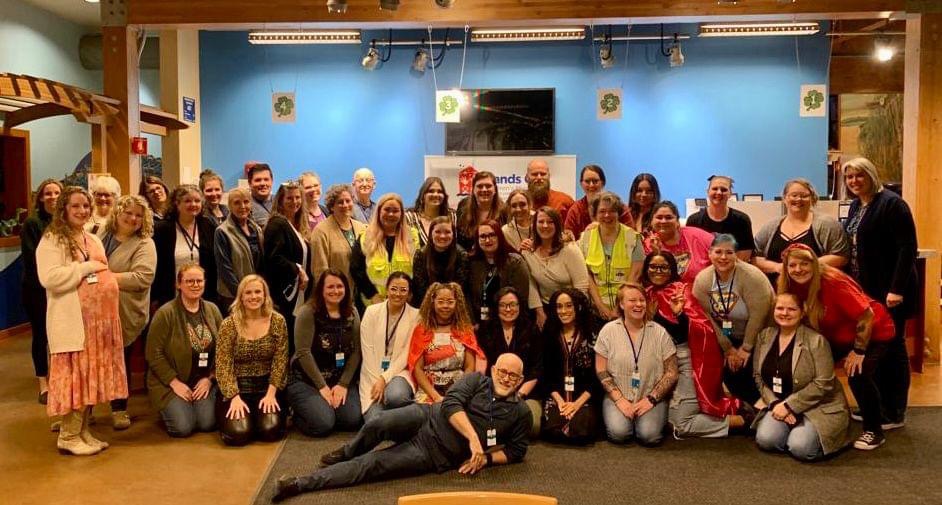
{"x": 86, "y": 433}
{"x": 70, "y": 435}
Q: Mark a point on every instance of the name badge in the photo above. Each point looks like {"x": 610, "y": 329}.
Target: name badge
{"x": 727, "y": 325}
{"x": 491, "y": 437}
{"x": 385, "y": 363}
{"x": 203, "y": 360}
{"x": 635, "y": 381}
{"x": 777, "y": 385}
{"x": 569, "y": 383}
{"x": 339, "y": 358}
{"x": 92, "y": 278}
{"x": 441, "y": 339}
{"x": 485, "y": 313}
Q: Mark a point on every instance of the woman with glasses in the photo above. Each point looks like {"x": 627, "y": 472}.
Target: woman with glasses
{"x": 569, "y": 384}
{"x": 511, "y": 331}
{"x": 492, "y": 266}
{"x": 431, "y": 202}
{"x": 387, "y": 246}
{"x": 554, "y": 264}
{"x": 105, "y": 190}
{"x": 690, "y": 246}
{"x": 183, "y": 236}
{"x": 442, "y": 260}
{"x": 443, "y": 347}
{"x": 636, "y": 362}
{"x": 131, "y": 257}
{"x": 211, "y": 185}
{"x": 738, "y": 298}
{"x": 520, "y": 223}
{"x": 800, "y": 225}
{"x": 580, "y": 215}
{"x": 322, "y": 388}
{"x": 613, "y": 254}
{"x": 483, "y": 204}
{"x": 181, "y": 352}
{"x": 385, "y": 382}
{"x": 153, "y": 189}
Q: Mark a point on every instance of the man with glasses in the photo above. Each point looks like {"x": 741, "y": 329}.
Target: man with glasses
{"x": 480, "y": 422}
{"x": 363, "y": 185}
{"x": 718, "y": 217}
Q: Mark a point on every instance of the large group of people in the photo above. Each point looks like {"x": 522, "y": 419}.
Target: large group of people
{"x": 463, "y": 334}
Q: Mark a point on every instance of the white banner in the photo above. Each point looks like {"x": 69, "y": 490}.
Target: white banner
{"x": 510, "y": 172}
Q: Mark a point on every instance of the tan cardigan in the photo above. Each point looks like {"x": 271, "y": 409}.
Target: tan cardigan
{"x": 756, "y": 293}
{"x": 133, "y": 263}
{"x": 61, "y": 275}
{"x": 329, "y": 248}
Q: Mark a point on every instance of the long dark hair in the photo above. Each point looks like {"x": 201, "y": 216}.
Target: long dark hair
{"x": 503, "y": 248}
{"x": 633, "y": 204}
{"x": 585, "y": 322}
{"x": 147, "y": 180}
{"x": 419, "y": 206}
{"x": 553, "y": 214}
{"x": 469, "y": 218}
{"x": 38, "y": 206}
{"x": 522, "y": 324}
{"x": 317, "y": 298}
{"x": 437, "y": 264}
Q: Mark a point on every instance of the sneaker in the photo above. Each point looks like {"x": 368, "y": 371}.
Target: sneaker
{"x": 287, "y": 487}
{"x": 892, "y": 425}
{"x": 856, "y": 416}
{"x": 120, "y": 420}
{"x": 869, "y": 441}
{"x": 333, "y": 457}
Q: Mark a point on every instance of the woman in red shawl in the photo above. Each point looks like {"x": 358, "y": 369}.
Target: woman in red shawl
{"x": 699, "y": 407}
{"x": 443, "y": 346}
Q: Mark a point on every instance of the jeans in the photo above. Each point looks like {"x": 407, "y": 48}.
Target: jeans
{"x": 315, "y": 417}
{"x": 865, "y": 388}
{"x": 892, "y": 375}
{"x": 685, "y": 412}
{"x": 409, "y": 457}
{"x": 398, "y": 394}
{"x": 801, "y": 441}
{"x": 647, "y": 429}
{"x": 183, "y": 418}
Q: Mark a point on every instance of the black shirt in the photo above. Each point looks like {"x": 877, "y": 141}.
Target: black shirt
{"x": 579, "y": 362}
{"x": 737, "y": 224}
{"x": 779, "y": 365}
{"x": 523, "y": 344}
{"x": 332, "y": 336}
{"x": 779, "y": 243}
{"x": 679, "y": 330}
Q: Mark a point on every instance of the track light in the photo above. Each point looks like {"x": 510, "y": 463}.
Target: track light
{"x": 445, "y": 4}
{"x": 676, "y": 55}
{"x": 421, "y": 60}
{"x": 607, "y": 55}
{"x": 371, "y": 59}
{"x": 336, "y": 6}
{"x": 758, "y": 29}
{"x": 884, "y": 50}
{"x": 532, "y": 34}
{"x": 305, "y": 37}
{"x": 388, "y": 5}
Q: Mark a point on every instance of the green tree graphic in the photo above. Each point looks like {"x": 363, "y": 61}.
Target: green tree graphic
{"x": 283, "y": 106}
{"x": 609, "y": 103}
{"x": 813, "y": 100}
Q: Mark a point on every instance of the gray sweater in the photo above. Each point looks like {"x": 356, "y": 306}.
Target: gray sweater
{"x": 755, "y": 289}
{"x": 828, "y": 233}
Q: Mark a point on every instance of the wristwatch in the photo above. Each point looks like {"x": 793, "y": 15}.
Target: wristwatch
{"x": 652, "y": 399}
{"x": 489, "y": 458}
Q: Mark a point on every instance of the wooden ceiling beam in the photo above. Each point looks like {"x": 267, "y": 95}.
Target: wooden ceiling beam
{"x": 241, "y": 13}
{"x": 18, "y": 117}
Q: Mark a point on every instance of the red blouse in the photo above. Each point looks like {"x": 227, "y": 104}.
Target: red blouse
{"x": 844, "y": 302}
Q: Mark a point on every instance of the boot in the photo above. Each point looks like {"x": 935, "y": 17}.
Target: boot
{"x": 86, "y": 433}
{"x": 70, "y": 439}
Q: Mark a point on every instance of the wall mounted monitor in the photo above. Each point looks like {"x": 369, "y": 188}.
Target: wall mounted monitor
{"x": 504, "y": 121}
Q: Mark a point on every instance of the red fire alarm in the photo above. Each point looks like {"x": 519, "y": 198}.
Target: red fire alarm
{"x": 138, "y": 145}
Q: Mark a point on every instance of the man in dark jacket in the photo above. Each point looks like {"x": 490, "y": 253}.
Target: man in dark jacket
{"x": 480, "y": 422}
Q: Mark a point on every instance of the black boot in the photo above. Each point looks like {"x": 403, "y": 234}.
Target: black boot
{"x": 287, "y": 487}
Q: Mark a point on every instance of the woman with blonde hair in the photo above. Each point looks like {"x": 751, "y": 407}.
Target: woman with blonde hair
{"x": 251, "y": 367}
{"x": 316, "y": 212}
{"x": 443, "y": 346}
{"x": 858, "y": 328}
{"x": 132, "y": 258}
{"x": 83, "y": 322}
{"x": 386, "y": 246}
{"x": 800, "y": 225}
{"x": 105, "y": 190}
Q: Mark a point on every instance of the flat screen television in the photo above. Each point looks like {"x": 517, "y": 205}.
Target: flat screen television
{"x": 504, "y": 121}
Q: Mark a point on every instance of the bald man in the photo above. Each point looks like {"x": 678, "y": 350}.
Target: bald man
{"x": 538, "y": 184}
{"x": 364, "y": 182}
{"x": 478, "y": 415}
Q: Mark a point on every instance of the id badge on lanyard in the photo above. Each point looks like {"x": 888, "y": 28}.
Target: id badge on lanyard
{"x": 339, "y": 359}
{"x": 569, "y": 383}
{"x": 777, "y": 385}
{"x": 92, "y": 278}
{"x": 203, "y": 361}
{"x": 485, "y": 313}
{"x": 635, "y": 384}
{"x": 491, "y": 437}
{"x": 727, "y": 328}
{"x": 384, "y": 364}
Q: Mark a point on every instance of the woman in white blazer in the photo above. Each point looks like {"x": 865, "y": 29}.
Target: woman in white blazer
{"x": 385, "y": 382}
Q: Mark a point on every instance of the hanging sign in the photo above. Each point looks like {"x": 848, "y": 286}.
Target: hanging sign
{"x": 189, "y": 109}
{"x": 608, "y": 104}
{"x": 448, "y": 106}
{"x": 813, "y": 100}
{"x": 283, "y": 107}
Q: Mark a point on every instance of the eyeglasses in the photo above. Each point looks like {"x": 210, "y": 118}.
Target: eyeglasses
{"x": 659, "y": 268}
{"x": 487, "y": 236}
{"x": 398, "y": 291}
{"x": 798, "y": 196}
{"x": 508, "y": 305}
{"x": 506, "y": 374}
{"x": 194, "y": 282}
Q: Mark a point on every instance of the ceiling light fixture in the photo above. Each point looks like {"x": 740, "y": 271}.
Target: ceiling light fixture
{"x": 371, "y": 59}
{"x": 305, "y": 37}
{"x": 677, "y": 56}
{"x": 388, "y": 5}
{"x": 91, "y": 1}
{"x": 884, "y": 50}
{"x": 420, "y": 62}
{"x": 336, "y": 6}
{"x": 606, "y": 52}
{"x": 527, "y": 34}
{"x": 758, "y": 29}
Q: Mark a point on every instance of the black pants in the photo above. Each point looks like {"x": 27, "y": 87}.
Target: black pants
{"x": 892, "y": 375}
{"x": 741, "y": 383}
{"x": 122, "y": 403}
{"x": 254, "y": 426}
{"x": 34, "y": 301}
{"x": 866, "y": 389}
{"x": 411, "y": 456}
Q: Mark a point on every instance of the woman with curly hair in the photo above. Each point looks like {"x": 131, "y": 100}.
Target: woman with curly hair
{"x": 443, "y": 345}
{"x": 183, "y": 236}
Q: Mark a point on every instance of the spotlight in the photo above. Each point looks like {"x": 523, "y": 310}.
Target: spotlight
{"x": 421, "y": 61}
{"x": 884, "y": 51}
{"x": 371, "y": 59}
{"x": 336, "y": 6}
{"x": 676, "y": 55}
{"x": 445, "y": 4}
{"x": 607, "y": 55}
{"x": 388, "y": 5}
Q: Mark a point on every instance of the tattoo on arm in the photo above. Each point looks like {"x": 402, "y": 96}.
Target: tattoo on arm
{"x": 608, "y": 383}
{"x": 668, "y": 379}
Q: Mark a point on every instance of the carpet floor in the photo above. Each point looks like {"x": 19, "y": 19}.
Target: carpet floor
{"x": 696, "y": 471}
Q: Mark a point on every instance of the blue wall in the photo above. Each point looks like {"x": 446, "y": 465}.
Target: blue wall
{"x": 732, "y": 108}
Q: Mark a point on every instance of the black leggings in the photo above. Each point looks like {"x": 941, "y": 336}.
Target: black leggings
{"x": 35, "y": 303}
{"x": 255, "y": 426}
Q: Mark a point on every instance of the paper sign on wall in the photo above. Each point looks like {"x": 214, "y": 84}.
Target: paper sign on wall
{"x": 448, "y": 106}
{"x": 813, "y": 100}
{"x": 608, "y": 104}
{"x": 189, "y": 109}
{"x": 283, "y": 107}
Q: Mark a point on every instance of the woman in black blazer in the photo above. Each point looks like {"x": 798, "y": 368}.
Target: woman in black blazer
{"x": 184, "y": 236}
{"x": 286, "y": 264}
{"x": 883, "y": 260}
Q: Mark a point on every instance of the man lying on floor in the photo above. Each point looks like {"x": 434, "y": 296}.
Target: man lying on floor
{"x": 462, "y": 431}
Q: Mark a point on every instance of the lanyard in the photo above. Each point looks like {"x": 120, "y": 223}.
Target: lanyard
{"x": 725, "y": 301}
{"x": 636, "y": 353}
{"x": 491, "y": 275}
{"x": 190, "y": 240}
{"x": 390, "y": 334}
{"x": 85, "y": 252}
{"x": 110, "y": 245}
{"x": 517, "y": 229}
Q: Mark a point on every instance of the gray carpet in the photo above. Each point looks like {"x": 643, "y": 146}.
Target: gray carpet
{"x": 904, "y": 471}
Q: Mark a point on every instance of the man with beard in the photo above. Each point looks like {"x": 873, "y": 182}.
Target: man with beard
{"x": 480, "y": 422}
{"x": 538, "y": 183}
{"x": 363, "y": 185}
{"x": 260, "y": 180}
